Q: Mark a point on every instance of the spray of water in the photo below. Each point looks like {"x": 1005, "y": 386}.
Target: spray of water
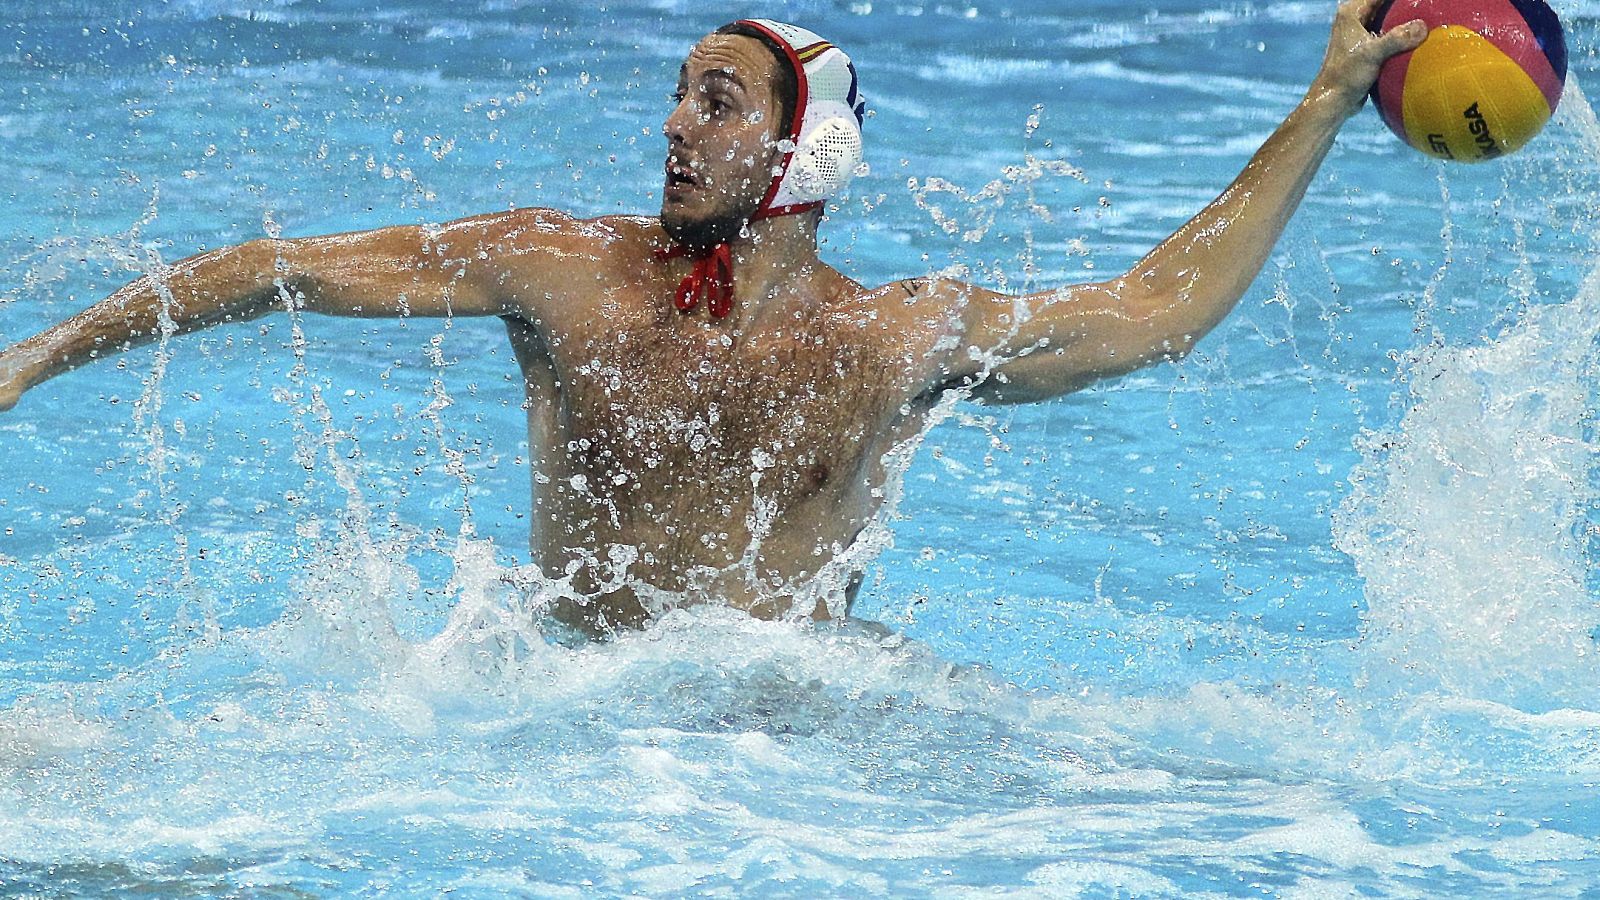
{"x": 1468, "y": 522}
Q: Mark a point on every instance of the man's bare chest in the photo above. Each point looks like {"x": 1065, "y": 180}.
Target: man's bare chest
{"x": 692, "y": 407}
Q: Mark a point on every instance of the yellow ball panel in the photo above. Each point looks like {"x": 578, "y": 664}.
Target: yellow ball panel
{"x": 1465, "y": 100}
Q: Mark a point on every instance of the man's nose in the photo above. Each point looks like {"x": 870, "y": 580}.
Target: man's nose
{"x": 677, "y": 121}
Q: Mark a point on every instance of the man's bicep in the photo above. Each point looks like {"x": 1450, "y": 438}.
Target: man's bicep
{"x": 1038, "y": 346}
{"x": 997, "y": 328}
{"x": 454, "y": 269}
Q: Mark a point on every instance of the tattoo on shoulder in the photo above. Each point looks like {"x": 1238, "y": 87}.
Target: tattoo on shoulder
{"x": 913, "y": 286}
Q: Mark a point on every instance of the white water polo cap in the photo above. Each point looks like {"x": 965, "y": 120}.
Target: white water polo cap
{"x": 826, "y": 131}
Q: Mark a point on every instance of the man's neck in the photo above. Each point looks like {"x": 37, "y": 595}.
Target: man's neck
{"x": 772, "y": 260}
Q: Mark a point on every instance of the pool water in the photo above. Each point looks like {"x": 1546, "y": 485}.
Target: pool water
{"x": 1311, "y": 613}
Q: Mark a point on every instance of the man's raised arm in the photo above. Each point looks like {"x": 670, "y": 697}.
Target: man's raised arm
{"x": 1048, "y": 344}
{"x": 450, "y": 269}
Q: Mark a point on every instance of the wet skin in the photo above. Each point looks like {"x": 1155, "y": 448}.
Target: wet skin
{"x": 713, "y": 461}
{"x": 683, "y": 458}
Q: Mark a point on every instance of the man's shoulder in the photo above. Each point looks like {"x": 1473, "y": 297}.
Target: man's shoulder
{"x": 916, "y": 303}
{"x": 566, "y": 269}
{"x": 908, "y": 320}
{"x": 544, "y": 225}
{"x": 639, "y": 229}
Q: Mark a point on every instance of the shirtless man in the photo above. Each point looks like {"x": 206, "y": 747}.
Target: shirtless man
{"x": 709, "y": 404}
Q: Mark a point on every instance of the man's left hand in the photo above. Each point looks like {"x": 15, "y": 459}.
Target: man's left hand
{"x": 1355, "y": 54}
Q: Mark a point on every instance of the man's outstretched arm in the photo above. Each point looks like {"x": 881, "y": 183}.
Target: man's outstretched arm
{"x": 1054, "y": 342}
{"x": 411, "y": 270}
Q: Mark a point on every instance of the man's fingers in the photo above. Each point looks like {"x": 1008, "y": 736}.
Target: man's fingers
{"x": 1405, "y": 37}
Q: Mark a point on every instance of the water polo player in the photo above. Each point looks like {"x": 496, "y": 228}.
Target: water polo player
{"x": 709, "y": 403}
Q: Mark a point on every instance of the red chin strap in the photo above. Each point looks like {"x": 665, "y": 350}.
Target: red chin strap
{"x": 712, "y": 275}
{"x": 711, "y": 278}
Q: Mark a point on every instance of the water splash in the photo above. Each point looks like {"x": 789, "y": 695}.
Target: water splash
{"x": 1468, "y": 523}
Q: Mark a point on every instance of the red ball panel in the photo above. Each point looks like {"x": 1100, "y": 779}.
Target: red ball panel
{"x": 1497, "y": 20}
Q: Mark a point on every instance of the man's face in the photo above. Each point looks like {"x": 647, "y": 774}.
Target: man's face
{"x": 721, "y": 140}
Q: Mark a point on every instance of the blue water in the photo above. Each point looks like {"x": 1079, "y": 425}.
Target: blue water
{"x": 1311, "y": 613}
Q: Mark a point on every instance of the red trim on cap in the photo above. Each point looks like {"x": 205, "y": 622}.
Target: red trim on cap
{"x": 802, "y": 91}
{"x": 788, "y": 210}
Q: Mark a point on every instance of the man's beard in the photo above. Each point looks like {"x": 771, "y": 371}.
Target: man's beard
{"x": 705, "y": 232}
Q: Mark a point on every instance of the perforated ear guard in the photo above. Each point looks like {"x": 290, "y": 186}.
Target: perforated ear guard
{"x": 825, "y": 157}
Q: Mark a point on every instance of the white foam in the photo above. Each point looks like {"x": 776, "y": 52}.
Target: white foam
{"x": 1079, "y": 879}
{"x": 1463, "y": 523}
